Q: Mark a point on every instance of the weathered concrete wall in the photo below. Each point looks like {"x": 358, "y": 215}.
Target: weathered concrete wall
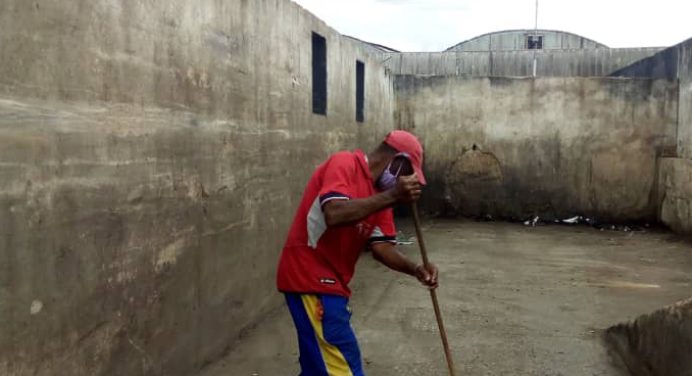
{"x": 557, "y": 63}
{"x": 676, "y": 203}
{"x": 551, "y": 146}
{"x": 663, "y": 64}
{"x": 674, "y": 63}
{"x": 667, "y": 63}
{"x": 658, "y": 344}
{"x": 685, "y": 113}
{"x": 675, "y": 190}
{"x": 151, "y": 158}
{"x": 676, "y": 174}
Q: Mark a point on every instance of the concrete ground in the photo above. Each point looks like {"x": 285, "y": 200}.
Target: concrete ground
{"x": 516, "y": 300}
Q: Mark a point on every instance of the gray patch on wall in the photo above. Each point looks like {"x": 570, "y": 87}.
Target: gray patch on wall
{"x": 474, "y": 182}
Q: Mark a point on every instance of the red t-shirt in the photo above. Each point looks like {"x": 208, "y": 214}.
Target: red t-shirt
{"x": 320, "y": 259}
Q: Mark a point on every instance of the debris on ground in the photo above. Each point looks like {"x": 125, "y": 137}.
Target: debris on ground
{"x": 485, "y": 218}
{"x": 402, "y": 239}
{"x": 588, "y": 221}
{"x": 573, "y": 220}
{"x": 532, "y": 222}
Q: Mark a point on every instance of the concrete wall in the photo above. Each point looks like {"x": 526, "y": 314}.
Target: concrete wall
{"x": 552, "y": 147}
{"x": 658, "y": 344}
{"x": 676, "y": 173}
{"x": 151, "y": 157}
{"x": 509, "y": 40}
{"x": 557, "y": 63}
{"x": 685, "y": 113}
{"x": 663, "y": 64}
{"x": 666, "y": 63}
{"x": 674, "y": 63}
{"x": 675, "y": 190}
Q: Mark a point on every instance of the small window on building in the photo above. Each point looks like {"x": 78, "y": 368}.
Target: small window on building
{"x": 319, "y": 74}
{"x": 534, "y": 42}
{"x": 360, "y": 91}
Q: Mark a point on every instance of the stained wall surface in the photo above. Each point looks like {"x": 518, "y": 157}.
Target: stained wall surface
{"x": 552, "y": 147}
{"x": 675, "y": 195}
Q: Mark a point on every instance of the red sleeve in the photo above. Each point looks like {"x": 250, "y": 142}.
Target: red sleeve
{"x": 384, "y": 231}
{"x": 336, "y": 181}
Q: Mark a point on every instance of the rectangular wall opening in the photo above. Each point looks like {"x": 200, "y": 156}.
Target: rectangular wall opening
{"x": 319, "y": 74}
{"x": 360, "y": 91}
{"x": 534, "y": 42}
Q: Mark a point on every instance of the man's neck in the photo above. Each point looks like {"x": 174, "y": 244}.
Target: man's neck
{"x": 377, "y": 163}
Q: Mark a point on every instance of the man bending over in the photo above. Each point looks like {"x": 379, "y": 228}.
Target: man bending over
{"x": 346, "y": 207}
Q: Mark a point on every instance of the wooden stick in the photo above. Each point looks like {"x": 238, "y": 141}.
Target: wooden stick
{"x": 433, "y": 294}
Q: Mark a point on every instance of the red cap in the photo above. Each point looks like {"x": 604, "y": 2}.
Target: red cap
{"x": 405, "y": 142}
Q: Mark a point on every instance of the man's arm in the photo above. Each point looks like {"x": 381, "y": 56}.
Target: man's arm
{"x": 340, "y": 212}
{"x": 387, "y": 254}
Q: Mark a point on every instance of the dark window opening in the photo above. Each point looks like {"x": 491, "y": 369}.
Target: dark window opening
{"x": 360, "y": 91}
{"x": 534, "y": 42}
{"x": 319, "y": 74}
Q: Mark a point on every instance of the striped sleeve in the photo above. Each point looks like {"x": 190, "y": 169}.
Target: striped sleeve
{"x": 330, "y": 196}
{"x": 337, "y": 178}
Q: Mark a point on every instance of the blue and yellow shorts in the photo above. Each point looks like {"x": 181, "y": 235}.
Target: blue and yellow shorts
{"x": 328, "y": 346}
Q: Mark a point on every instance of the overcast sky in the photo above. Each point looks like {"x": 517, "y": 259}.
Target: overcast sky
{"x": 434, "y": 25}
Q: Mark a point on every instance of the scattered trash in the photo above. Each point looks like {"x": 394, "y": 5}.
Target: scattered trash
{"x": 402, "y": 239}
{"x": 623, "y": 228}
{"x": 573, "y": 220}
{"x": 581, "y": 220}
{"x": 485, "y": 218}
{"x": 532, "y": 222}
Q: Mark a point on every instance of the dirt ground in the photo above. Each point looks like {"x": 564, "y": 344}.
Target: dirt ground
{"x": 516, "y": 301}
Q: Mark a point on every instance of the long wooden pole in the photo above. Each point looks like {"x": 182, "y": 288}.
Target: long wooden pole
{"x": 433, "y": 293}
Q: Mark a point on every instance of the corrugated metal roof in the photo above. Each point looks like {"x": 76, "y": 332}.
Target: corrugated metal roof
{"x": 524, "y": 31}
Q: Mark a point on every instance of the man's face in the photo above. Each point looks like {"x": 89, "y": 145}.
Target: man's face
{"x": 401, "y": 166}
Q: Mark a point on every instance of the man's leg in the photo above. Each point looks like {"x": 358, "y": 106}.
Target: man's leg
{"x": 311, "y": 361}
{"x": 328, "y": 346}
{"x": 337, "y": 331}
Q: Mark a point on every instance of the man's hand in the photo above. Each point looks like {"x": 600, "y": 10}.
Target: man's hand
{"x": 407, "y": 188}
{"x": 387, "y": 254}
{"x": 427, "y": 276}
